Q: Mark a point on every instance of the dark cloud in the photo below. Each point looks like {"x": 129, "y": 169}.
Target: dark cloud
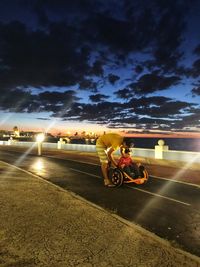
{"x": 59, "y": 53}
{"x": 197, "y": 50}
{"x": 17, "y": 101}
{"x": 138, "y": 69}
{"x": 113, "y": 78}
{"x": 124, "y": 93}
{"x": 145, "y": 104}
{"x": 103, "y": 111}
{"x": 189, "y": 121}
{"x": 42, "y": 16}
{"x": 97, "y": 68}
{"x": 39, "y": 58}
{"x": 150, "y": 83}
{"x": 167, "y": 54}
{"x": 152, "y": 112}
{"x": 159, "y": 109}
{"x": 43, "y": 119}
{"x": 196, "y": 89}
{"x": 83, "y": 44}
{"x": 88, "y": 85}
{"x": 58, "y": 97}
{"x": 122, "y": 33}
{"x": 170, "y": 109}
{"x": 98, "y": 97}
{"x": 22, "y": 101}
{"x": 196, "y": 69}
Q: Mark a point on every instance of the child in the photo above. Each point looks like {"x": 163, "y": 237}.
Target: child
{"x": 127, "y": 165}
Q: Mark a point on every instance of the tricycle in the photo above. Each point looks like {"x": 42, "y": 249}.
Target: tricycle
{"x": 119, "y": 177}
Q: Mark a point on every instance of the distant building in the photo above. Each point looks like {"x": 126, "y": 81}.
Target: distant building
{"x": 16, "y": 132}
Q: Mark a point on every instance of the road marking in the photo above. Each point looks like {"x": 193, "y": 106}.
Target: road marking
{"x": 87, "y": 173}
{"x": 157, "y": 195}
{"x": 175, "y": 181}
{"x": 142, "y": 190}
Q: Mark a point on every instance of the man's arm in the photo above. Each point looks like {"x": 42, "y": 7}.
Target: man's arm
{"x": 110, "y": 156}
{"x": 121, "y": 149}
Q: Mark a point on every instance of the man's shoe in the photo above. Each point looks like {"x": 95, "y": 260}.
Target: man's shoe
{"x": 108, "y": 183}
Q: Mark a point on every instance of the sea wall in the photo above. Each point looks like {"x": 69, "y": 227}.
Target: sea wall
{"x": 172, "y": 155}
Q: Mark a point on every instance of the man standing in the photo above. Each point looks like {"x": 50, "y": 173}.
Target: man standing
{"x": 105, "y": 146}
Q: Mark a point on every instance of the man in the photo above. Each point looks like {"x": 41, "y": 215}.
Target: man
{"x": 105, "y": 146}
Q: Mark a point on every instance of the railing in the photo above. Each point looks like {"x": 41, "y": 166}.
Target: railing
{"x": 137, "y": 152}
{"x": 182, "y": 156}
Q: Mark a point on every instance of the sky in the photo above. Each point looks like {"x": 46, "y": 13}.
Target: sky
{"x": 96, "y": 65}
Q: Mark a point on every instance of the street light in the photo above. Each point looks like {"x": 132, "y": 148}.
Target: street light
{"x": 40, "y": 139}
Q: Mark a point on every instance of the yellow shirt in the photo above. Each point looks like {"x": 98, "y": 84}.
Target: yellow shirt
{"x": 110, "y": 140}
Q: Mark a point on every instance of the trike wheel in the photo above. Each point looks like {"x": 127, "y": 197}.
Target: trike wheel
{"x": 117, "y": 177}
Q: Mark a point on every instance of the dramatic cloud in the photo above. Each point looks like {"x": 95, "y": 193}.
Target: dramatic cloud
{"x": 40, "y": 58}
{"x": 150, "y": 83}
{"x": 88, "y": 85}
{"x": 124, "y": 93}
{"x": 160, "y": 112}
{"x": 43, "y": 119}
{"x": 125, "y": 50}
{"x": 17, "y": 101}
{"x": 57, "y": 97}
{"x": 98, "y": 97}
{"x": 196, "y": 68}
{"x": 197, "y": 50}
{"x": 196, "y": 89}
{"x": 113, "y": 78}
{"x": 188, "y": 121}
{"x": 139, "y": 69}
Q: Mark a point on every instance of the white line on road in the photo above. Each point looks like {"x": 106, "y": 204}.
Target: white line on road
{"x": 175, "y": 181}
{"x": 142, "y": 190}
{"x": 87, "y": 173}
{"x": 157, "y": 195}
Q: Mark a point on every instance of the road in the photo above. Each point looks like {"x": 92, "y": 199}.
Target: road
{"x": 169, "y": 209}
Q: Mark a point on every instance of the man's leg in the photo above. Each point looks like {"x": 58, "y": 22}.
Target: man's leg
{"x": 104, "y": 169}
{"x": 101, "y": 151}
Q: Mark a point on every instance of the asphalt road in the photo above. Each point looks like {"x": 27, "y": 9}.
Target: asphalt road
{"x": 167, "y": 208}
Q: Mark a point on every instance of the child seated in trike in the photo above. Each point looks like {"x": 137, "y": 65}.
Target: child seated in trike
{"x": 128, "y": 171}
{"x": 126, "y": 164}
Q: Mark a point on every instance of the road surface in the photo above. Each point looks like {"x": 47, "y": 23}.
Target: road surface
{"x": 167, "y": 208}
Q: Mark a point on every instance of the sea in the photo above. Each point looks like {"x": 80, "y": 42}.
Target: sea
{"x": 180, "y": 144}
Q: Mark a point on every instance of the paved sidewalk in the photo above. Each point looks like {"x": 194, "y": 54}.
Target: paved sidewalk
{"x": 44, "y": 225}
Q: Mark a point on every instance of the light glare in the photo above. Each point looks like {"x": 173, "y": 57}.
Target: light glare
{"x": 40, "y": 137}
